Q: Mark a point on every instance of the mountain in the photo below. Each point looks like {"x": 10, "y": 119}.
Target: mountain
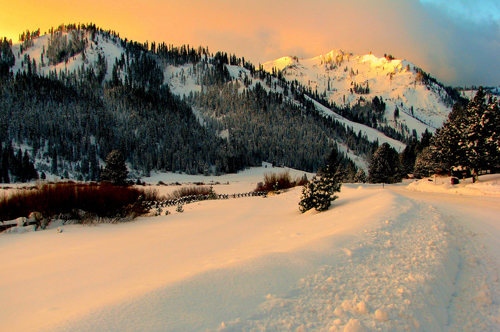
{"x": 345, "y": 79}
{"x": 78, "y": 92}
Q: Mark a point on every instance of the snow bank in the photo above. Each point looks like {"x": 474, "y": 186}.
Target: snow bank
{"x": 20, "y": 229}
{"x": 488, "y": 185}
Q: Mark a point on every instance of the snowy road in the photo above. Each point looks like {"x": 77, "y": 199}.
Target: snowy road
{"x": 475, "y": 304}
{"x": 480, "y": 214}
{"x": 433, "y": 267}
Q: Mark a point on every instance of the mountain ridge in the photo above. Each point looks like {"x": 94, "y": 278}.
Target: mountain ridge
{"x": 74, "y": 54}
{"x": 343, "y": 78}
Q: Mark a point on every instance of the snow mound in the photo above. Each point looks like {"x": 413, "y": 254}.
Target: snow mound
{"x": 20, "y": 229}
{"x": 486, "y": 186}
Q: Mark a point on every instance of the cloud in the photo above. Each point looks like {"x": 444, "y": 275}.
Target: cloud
{"x": 467, "y": 35}
{"x": 456, "y": 48}
{"x": 456, "y": 41}
{"x": 477, "y": 11}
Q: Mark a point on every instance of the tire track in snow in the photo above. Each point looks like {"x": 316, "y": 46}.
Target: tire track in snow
{"x": 475, "y": 303}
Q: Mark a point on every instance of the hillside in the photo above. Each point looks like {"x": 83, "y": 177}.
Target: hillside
{"x": 77, "y": 93}
{"x": 344, "y": 79}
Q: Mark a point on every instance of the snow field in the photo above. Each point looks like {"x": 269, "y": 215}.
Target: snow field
{"x": 227, "y": 184}
{"x": 371, "y": 133}
{"x": 93, "y": 276}
{"x": 474, "y": 305}
{"x": 388, "y": 259}
{"x": 397, "y": 276}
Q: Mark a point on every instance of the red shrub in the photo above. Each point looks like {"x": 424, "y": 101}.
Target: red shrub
{"x": 273, "y": 181}
{"x": 102, "y": 200}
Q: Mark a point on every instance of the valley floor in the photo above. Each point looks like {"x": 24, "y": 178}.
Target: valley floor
{"x": 381, "y": 259}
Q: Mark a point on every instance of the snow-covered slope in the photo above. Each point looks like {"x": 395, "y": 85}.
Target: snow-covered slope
{"x": 421, "y": 106}
{"x": 109, "y": 48}
{"x": 333, "y": 75}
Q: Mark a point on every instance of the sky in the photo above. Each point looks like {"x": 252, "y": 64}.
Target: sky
{"x": 456, "y": 41}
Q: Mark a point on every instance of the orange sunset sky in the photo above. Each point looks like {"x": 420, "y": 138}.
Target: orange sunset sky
{"x": 457, "y": 41}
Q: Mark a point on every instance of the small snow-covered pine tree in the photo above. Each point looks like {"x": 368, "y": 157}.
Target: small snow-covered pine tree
{"x": 326, "y": 188}
{"x": 307, "y": 201}
{"x": 320, "y": 192}
{"x": 211, "y": 193}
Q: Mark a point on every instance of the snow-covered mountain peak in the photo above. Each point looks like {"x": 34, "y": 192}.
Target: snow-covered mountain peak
{"x": 281, "y": 63}
{"x": 346, "y": 79}
{"x": 67, "y": 51}
{"x": 331, "y": 56}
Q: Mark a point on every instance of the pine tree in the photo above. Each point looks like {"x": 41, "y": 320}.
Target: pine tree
{"x": 408, "y": 157}
{"x": 211, "y": 193}
{"x": 426, "y": 164}
{"x": 7, "y": 58}
{"x": 334, "y": 167}
{"x": 445, "y": 146}
{"x": 307, "y": 200}
{"x": 5, "y": 165}
{"x": 350, "y": 172}
{"x": 385, "y": 166}
{"x": 53, "y": 167}
{"x": 478, "y": 131}
{"x": 319, "y": 193}
{"x": 115, "y": 171}
{"x": 396, "y": 113}
{"x": 472, "y": 141}
{"x": 326, "y": 188}
{"x": 29, "y": 171}
{"x": 470, "y": 136}
{"x": 490, "y": 126}
{"x": 94, "y": 170}
{"x": 360, "y": 176}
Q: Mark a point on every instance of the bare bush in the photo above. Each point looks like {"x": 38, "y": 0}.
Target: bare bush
{"x": 279, "y": 181}
{"x": 102, "y": 200}
{"x": 188, "y": 191}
